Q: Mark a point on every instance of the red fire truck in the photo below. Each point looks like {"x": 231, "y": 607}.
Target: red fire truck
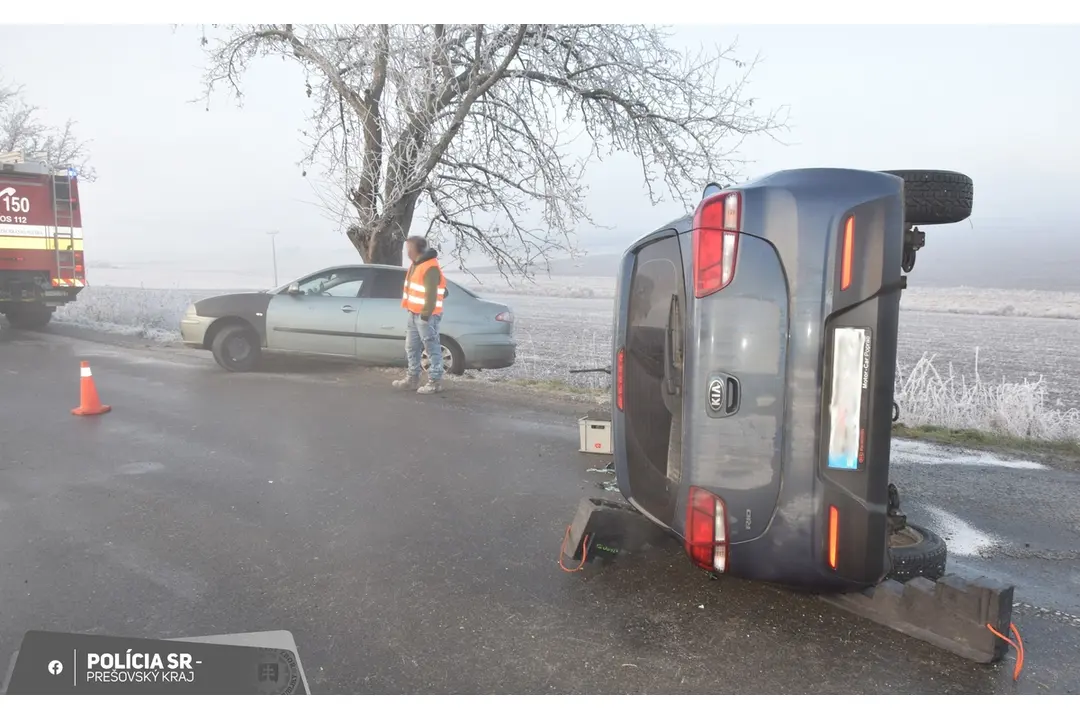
{"x": 41, "y": 241}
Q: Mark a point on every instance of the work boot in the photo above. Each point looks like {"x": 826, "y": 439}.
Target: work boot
{"x": 430, "y": 388}
{"x": 407, "y": 383}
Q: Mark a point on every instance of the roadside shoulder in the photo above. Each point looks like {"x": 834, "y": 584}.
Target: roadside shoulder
{"x": 1063, "y": 455}
{"x": 551, "y": 396}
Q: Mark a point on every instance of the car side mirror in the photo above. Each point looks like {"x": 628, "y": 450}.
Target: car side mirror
{"x": 293, "y": 289}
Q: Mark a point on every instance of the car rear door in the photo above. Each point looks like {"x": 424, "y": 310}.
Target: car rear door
{"x": 649, "y": 340}
{"x": 380, "y": 328}
{"x": 321, "y": 319}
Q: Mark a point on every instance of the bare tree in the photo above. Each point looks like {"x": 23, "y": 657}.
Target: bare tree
{"x": 22, "y": 129}
{"x": 486, "y": 125}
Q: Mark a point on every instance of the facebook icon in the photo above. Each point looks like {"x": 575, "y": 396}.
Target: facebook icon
{"x": 56, "y": 667}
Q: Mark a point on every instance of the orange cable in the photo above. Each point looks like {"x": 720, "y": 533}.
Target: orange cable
{"x": 1018, "y": 646}
{"x": 584, "y": 552}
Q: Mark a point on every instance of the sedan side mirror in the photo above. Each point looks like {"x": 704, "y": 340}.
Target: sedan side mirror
{"x": 293, "y": 289}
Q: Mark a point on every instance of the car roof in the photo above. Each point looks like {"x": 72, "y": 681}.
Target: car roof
{"x": 356, "y": 266}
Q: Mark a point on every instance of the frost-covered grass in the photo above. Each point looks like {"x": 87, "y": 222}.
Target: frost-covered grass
{"x": 134, "y": 312}
{"x": 951, "y": 400}
{"x": 1000, "y": 303}
{"x": 540, "y": 286}
{"x": 1022, "y": 384}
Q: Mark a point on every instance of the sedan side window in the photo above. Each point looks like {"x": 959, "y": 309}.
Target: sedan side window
{"x": 333, "y": 283}
{"x": 343, "y": 289}
{"x": 387, "y": 284}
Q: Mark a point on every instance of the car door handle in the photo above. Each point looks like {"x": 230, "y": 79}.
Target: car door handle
{"x": 346, "y": 308}
{"x": 386, "y": 327}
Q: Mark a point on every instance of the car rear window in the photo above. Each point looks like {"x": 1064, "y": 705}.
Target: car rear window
{"x": 454, "y": 287}
{"x": 387, "y": 285}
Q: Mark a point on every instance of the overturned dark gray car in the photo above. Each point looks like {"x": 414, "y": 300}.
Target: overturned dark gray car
{"x": 754, "y": 364}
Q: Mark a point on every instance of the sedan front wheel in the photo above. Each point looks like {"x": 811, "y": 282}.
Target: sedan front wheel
{"x": 236, "y": 348}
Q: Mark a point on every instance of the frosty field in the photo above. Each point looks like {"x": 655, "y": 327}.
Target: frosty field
{"x": 1025, "y": 344}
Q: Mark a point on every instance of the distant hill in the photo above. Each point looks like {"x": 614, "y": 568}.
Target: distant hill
{"x": 601, "y": 265}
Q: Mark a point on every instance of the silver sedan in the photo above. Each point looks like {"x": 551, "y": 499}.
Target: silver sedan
{"x": 351, "y": 311}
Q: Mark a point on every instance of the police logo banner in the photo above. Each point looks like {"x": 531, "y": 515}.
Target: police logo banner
{"x": 50, "y": 663}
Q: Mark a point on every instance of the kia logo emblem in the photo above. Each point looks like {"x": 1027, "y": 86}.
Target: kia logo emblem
{"x": 716, "y": 396}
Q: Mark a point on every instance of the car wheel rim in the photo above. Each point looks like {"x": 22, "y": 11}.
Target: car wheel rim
{"x": 447, "y": 360}
{"x": 907, "y": 537}
{"x": 238, "y": 348}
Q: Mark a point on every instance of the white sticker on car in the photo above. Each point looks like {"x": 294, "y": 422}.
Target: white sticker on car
{"x": 850, "y": 386}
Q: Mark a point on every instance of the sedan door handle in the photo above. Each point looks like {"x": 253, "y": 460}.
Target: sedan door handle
{"x": 346, "y": 308}
{"x": 386, "y": 327}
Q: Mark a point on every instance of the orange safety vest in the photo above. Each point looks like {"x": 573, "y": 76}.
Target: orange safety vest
{"x": 413, "y": 294}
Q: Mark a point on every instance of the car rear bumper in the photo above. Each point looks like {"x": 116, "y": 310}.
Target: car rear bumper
{"x": 489, "y": 352}
{"x": 802, "y": 563}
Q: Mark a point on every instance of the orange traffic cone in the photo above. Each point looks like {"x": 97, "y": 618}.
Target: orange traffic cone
{"x": 89, "y": 403}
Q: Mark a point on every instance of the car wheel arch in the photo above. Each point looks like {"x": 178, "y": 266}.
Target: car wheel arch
{"x": 222, "y": 322}
{"x": 455, "y": 348}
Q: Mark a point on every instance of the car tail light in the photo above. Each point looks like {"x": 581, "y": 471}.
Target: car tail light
{"x": 79, "y": 269}
{"x": 706, "y": 530}
{"x": 506, "y": 317}
{"x": 847, "y": 253}
{"x": 715, "y": 240}
{"x": 620, "y": 362}
{"x": 834, "y": 535}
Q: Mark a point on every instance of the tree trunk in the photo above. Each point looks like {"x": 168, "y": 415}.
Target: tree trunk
{"x": 382, "y": 242}
{"x": 380, "y": 245}
{"x": 385, "y": 245}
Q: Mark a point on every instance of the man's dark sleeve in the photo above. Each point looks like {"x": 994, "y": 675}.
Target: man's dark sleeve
{"x": 432, "y": 278}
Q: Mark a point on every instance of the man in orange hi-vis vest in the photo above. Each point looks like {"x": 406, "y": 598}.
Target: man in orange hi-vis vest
{"x": 422, "y": 297}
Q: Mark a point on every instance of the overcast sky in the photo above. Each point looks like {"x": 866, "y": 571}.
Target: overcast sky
{"x": 177, "y": 182}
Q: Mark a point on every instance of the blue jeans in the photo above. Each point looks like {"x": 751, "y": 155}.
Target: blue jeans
{"x": 420, "y": 336}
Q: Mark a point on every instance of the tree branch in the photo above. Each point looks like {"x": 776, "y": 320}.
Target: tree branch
{"x": 486, "y": 131}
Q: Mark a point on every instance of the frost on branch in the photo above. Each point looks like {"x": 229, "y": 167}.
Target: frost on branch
{"x": 22, "y": 129}
{"x": 484, "y": 131}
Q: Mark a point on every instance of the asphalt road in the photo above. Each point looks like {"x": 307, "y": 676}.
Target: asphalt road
{"x": 410, "y": 544}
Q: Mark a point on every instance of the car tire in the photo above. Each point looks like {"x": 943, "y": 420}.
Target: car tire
{"x": 935, "y": 197}
{"x": 453, "y": 358}
{"x": 31, "y": 317}
{"x": 916, "y": 552}
{"x": 236, "y": 348}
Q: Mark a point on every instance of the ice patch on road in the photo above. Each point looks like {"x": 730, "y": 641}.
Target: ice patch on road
{"x": 140, "y": 468}
{"x": 921, "y": 453}
{"x": 962, "y": 539}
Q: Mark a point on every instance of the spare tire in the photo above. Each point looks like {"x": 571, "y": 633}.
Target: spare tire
{"x": 935, "y": 197}
{"x": 916, "y": 552}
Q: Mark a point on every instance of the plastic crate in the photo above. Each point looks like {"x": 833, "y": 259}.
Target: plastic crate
{"x": 595, "y": 435}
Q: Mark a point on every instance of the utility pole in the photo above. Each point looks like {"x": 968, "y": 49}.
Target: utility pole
{"x": 273, "y": 249}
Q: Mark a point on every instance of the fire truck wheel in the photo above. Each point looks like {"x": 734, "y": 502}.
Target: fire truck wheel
{"x": 236, "y": 348}
{"x": 31, "y": 317}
